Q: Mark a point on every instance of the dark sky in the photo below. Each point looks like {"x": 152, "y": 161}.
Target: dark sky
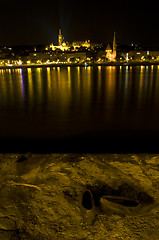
{"x": 37, "y": 22}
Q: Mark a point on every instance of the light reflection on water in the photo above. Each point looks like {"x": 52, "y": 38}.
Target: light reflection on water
{"x": 76, "y": 101}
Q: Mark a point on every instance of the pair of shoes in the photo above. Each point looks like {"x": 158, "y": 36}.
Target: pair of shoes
{"x": 110, "y": 205}
{"x": 88, "y": 208}
{"x": 87, "y": 200}
{"x": 118, "y": 205}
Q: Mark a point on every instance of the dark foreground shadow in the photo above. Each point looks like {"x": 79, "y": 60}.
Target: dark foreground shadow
{"x": 82, "y": 145}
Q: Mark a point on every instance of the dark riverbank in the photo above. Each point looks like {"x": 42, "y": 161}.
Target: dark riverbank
{"x": 109, "y": 144}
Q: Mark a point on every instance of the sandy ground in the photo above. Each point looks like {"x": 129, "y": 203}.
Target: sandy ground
{"x": 41, "y": 196}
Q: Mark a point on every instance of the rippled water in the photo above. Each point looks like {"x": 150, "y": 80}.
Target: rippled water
{"x": 114, "y": 107}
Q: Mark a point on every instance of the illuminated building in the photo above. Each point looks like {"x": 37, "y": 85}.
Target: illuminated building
{"x": 62, "y": 45}
{"x": 138, "y": 55}
{"x": 76, "y": 57}
{"x": 111, "y": 54}
{"x": 77, "y": 44}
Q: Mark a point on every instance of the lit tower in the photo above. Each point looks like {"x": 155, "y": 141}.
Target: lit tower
{"x": 114, "y": 47}
{"x": 60, "y": 38}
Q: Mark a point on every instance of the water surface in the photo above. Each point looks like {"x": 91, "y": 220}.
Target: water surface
{"x": 94, "y": 107}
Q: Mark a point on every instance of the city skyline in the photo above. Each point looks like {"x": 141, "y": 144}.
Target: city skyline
{"x": 38, "y": 23}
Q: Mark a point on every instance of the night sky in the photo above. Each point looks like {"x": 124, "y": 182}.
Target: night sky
{"x": 37, "y": 22}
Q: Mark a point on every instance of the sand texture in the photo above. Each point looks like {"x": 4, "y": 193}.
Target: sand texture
{"x": 42, "y": 196}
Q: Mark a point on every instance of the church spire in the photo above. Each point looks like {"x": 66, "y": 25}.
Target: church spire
{"x": 114, "y": 47}
{"x": 60, "y": 38}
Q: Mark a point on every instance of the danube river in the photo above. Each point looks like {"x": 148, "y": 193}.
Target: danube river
{"x": 107, "y": 109}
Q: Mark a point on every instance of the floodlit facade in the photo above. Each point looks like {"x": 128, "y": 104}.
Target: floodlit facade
{"x": 111, "y": 54}
{"x": 62, "y": 45}
{"x": 77, "y": 44}
{"x": 143, "y": 55}
{"x": 57, "y": 57}
{"x": 65, "y": 46}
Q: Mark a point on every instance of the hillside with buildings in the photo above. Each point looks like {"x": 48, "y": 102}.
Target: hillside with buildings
{"x": 77, "y": 52}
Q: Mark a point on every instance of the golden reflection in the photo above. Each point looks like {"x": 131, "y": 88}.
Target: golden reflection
{"x": 99, "y": 93}
{"x": 85, "y": 87}
{"x": 126, "y": 87}
{"x": 54, "y": 80}
{"x": 48, "y": 82}
{"x": 142, "y": 83}
{"x": 30, "y": 85}
{"x": 99, "y": 68}
{"x": 78, "y": 88}
{"x": 89, "y": 75}
{"x": 156, "y": 95}
{"x": 130, "y": 78}
{"x": 39, "y": 82}
{"x": 151, "y": 73}
{"x": 10, "y": 84}
{"x": 22, "y": 83}
{"x": 58, "y": 71}
{"x": 142, "y": 68}
{"x": 62, "y": 90}
{"x": 110, "y": 85}
{"x": 151, "y": 83}
{"x": 48, "y": 78}
{"x": 126, "y": 76}
{"x": 20, "y": 80}
{"x": 88, "y": 83}
{"x": 3, "y": 87}
{"x": 120, "y": 78}
{"x": 99, "y": 81}
{"x": 78, "y": 76}
{"x": 99, "y": 72}
{"x": 69, "y": 76}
